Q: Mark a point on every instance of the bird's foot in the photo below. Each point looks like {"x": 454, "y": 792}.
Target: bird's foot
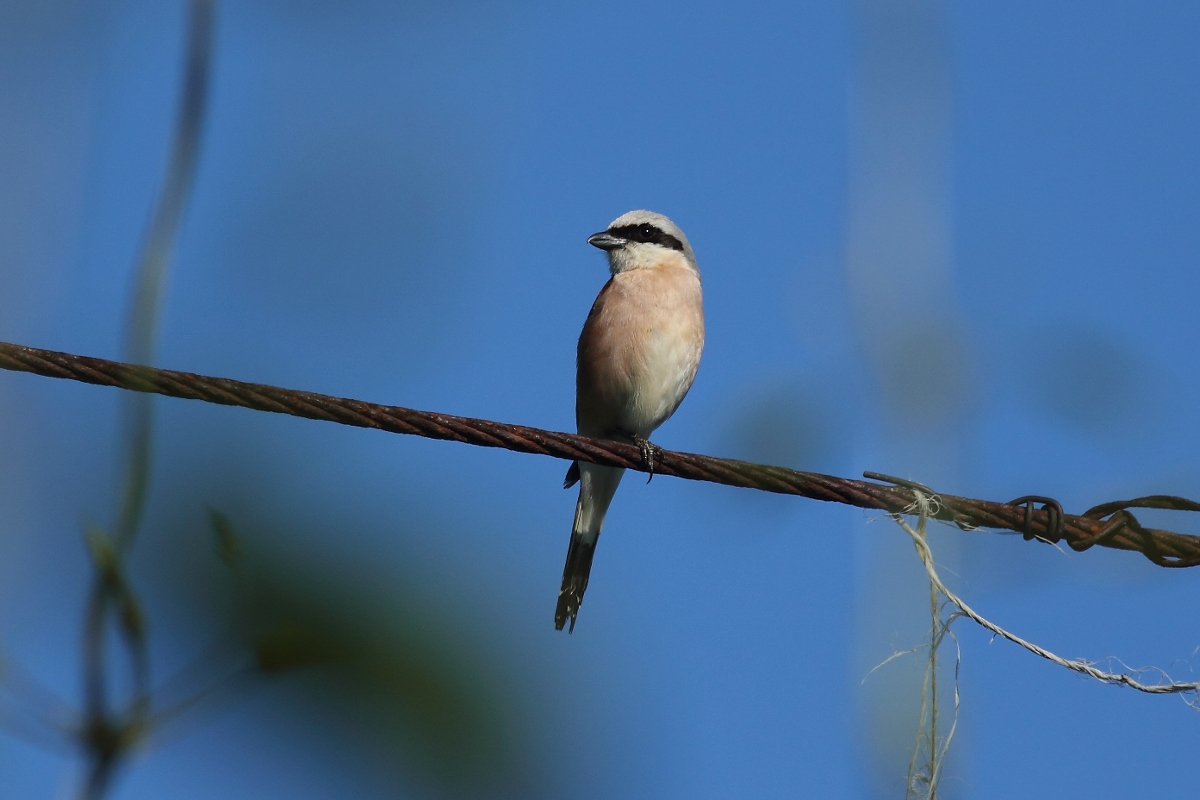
{"x": 650, "y": 451}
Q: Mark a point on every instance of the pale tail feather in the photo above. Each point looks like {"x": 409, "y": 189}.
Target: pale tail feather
{"x": 596, "y": 489}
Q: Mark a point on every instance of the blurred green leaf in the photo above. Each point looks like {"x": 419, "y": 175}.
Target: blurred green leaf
{"x": 419, "y": 689}
{"x": 924, "y": 368}
{"x": 424, "y": 693}
{"x": 787, "y": 424}
{"x": 1090, "y": 379}
{"x": 293, "y": 646}
{"x": 103, "y": 552}
{"x": 101, "y": 548}
{"x": 133, "y": 620}
{"x": 225, "y": 541}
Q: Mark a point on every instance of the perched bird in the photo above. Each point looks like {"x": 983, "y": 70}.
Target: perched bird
{"x": 637, "y": 357}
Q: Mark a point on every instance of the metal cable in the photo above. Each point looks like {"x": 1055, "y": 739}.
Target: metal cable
{"x": 1120, "y": 530}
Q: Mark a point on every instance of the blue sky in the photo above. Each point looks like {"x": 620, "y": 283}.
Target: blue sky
{"x": 956, "y": 244}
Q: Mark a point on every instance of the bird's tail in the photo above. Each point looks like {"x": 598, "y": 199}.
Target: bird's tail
{"x": 597, "y": 486}
{"x": 574, "y": 580}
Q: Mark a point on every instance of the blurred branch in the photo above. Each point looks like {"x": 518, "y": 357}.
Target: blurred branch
{"x": 156, "y": 257}
{"x": 1108, "y": 525}
{"x": 108, "y": 736}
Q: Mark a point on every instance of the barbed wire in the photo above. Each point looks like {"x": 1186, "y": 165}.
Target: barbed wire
{"x": 1108, "y": 525}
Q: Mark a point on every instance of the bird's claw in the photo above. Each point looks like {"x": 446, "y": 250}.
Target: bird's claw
{"x": 650, "y": 451}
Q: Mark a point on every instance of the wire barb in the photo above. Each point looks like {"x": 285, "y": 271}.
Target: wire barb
{"x": 1049, "y": 523}
{"x": 1054, "y": 522}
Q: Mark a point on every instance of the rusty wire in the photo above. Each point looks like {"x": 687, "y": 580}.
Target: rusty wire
{"x": 1108, "y": 525}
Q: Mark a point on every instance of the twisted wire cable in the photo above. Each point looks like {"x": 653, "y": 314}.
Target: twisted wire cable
{"x": 1108, "y": 525}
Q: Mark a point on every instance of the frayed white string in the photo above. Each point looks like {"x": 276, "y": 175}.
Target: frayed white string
{"x": 922, "y": 509}
{"x": 923, "y": 780}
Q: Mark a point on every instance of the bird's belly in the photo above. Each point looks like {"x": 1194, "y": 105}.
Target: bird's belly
{"x": 638, "y": 352}
{"x": 658, "y": 375}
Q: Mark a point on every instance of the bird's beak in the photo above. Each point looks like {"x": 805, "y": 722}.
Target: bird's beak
{"x": 606, "y": 241}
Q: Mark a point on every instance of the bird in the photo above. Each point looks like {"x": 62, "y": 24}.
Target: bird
{"x": 636, "y": 360}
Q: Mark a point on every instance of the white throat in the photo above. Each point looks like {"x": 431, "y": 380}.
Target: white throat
{"x": 638, "y": 255}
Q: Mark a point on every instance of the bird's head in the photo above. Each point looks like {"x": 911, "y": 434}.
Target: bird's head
{"x": 641, "y": 240}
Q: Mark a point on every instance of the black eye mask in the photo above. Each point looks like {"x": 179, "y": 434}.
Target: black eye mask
{"x": 647, "y": 234}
